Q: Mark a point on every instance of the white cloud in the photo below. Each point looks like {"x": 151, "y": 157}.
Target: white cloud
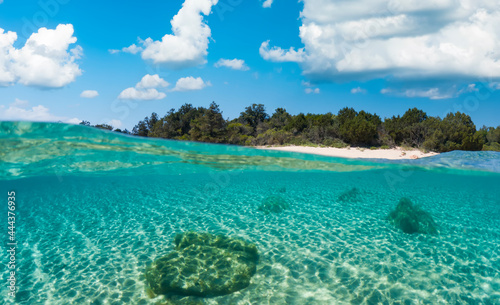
{"x": 431, "y": 93}
{"x": 190, "y": 83}
{"x": 188, "y": 44}
{"x": 19, "y": 111}
{"x": 115, "y": 123}
{"x": 358, "y": 90}
{"x": 277, "y": 54}
{"x": 144, "y": 95}
{"x": 133, "y": 49}
{"x": 89, "y": 94}
{"x": 45, "y": 60}
{"x": 468, "y": 89}
{"x": 74, "y": 121}
{"x": 312, "y": 90}
{"x": 20, "y": 103}
{"x": 235, "y": 64}
{"x": 410, "y": 40}
{"x": 152, "y": 81}
{"x": 145, "y": 89}
{"x": 494, "y": 86}
{"x": 267, "y": 3}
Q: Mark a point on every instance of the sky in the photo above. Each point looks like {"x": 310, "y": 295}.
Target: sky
{"x": 103, "y": 62}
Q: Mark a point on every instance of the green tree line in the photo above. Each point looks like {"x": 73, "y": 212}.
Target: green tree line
{"x": 255, "y": 126}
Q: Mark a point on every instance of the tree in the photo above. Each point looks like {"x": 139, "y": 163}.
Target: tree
{"x": 492, "y": 138}
{"x": 280, "y": 118}
{"x": 253, "y": 115}
{"x": 297, "y": 124}
{"x": 455, "y": 132}
{"x": 237, "y": 133}
{"x": 152, "y": 120}
{"x": 358, "y": 128}
{"x": 209, "y": 125}
{"x": 104, "y": 126}
{"x": 254, "y": 127}
{"x": 141, "y": 129}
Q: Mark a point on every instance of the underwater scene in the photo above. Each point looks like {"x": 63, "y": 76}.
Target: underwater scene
{"x": 104, "y": 218}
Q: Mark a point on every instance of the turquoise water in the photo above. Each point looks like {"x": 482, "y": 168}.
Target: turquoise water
{"x": 94, "y": 207}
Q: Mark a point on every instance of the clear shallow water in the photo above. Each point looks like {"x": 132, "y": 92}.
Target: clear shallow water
{"x": 95, "y": 207}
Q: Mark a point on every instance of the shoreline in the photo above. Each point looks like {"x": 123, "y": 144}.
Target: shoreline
{"x": 397, "y": 153}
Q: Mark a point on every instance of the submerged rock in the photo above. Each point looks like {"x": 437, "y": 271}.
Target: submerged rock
{"x": 204, "y": 265}
{"x": 412, "y": 219}
{"x": 274, "y": 204}
{"x": 352, "y": 195}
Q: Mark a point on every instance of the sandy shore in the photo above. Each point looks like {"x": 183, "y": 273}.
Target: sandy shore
{"x": 355, "y": 152}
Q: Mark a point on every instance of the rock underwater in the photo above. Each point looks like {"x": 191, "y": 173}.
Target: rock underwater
{"x": 203, "y": 265}
{"x": 412, "y": 219}
{"x": 274, "y": 204}
{"x": 351, "y": 195}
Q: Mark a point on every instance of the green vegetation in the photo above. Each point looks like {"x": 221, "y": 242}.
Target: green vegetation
{"x": 412, "y": 219}
{"x": 415, "y": 129}
{"x": 203, "y": 265}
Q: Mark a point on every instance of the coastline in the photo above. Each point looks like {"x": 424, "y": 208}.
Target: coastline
{"x": 397, "y": 153}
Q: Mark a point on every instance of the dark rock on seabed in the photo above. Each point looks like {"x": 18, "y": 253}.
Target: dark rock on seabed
{"x": 412, "y": 219}
{"x": 203, "y": 265}
{"x": 274, "y": 204}
{"x": 352, "y": 195}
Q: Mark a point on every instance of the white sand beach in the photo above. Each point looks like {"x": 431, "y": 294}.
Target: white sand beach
{"x": 397, "y": 153}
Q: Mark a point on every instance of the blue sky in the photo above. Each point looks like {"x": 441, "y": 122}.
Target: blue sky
{"x": 72, "y": 60}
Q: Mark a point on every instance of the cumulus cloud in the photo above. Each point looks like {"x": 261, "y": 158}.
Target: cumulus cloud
{"x": 190, "y": 83}
{"x": 133, "y": 49}
{"x": 19, "y": 111}
{"x": 409, "y": 40}
{"x": 312, "y": 90}
{"x": 89, "y": 94}
{"x": 145, "y": 89}
{"x": 188, "y": 44}
{"x": 235, "y": 64}
{"x": 267, "y": 3}
{"x": 152, "y": 81}
{"x": 45, "y": 60}
{"x": 358, "y": 90}
{"x": 144, "y": 95}
{"x": 277, "y": 54}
